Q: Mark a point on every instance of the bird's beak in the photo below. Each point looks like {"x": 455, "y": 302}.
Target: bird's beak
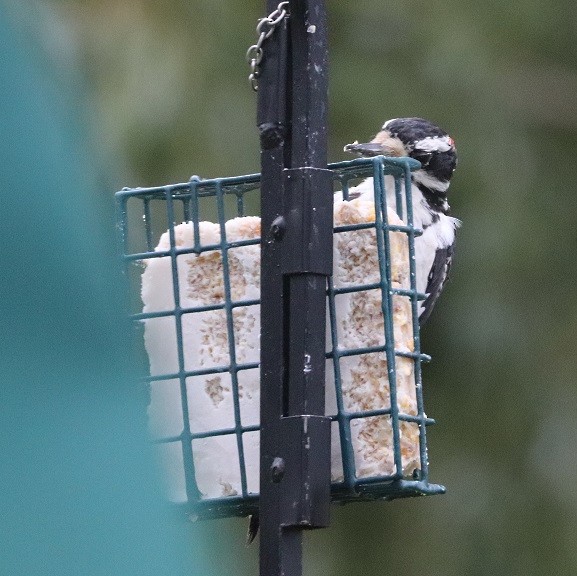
{"x": 382, "y": 143}
{"x": 366, "y": 149}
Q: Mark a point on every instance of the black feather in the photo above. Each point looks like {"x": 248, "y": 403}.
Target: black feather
{"x": 437, "y": 278}
{"x": 253, "y": 525}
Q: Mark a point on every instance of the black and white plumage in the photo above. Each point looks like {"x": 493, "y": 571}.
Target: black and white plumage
{"x": 435, "y": 150}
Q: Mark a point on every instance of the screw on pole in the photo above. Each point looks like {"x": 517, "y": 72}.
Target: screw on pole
{"x": 296, "y": 207}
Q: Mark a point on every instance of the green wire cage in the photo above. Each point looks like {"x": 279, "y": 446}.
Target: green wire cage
{"x": 181, "y": 236}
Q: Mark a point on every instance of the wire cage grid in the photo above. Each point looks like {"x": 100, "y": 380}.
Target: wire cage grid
{"x": 229, "y": 195}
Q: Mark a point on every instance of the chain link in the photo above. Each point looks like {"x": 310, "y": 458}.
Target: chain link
{"x": 264, "y": 29}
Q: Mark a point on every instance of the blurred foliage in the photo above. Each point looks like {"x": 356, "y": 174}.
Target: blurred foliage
{"x": 170, "y": 98}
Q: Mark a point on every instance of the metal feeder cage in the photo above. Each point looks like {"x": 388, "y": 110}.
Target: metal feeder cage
{"x": 280, "y": 315}
{"x": 146, "y": 214}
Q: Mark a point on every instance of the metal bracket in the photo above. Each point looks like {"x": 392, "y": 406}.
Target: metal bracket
{"x": 308, "y": 210}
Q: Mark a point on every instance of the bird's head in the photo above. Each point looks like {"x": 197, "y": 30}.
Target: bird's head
{"x": 421, "y": 140}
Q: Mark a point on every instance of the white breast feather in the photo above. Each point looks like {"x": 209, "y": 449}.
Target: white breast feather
{"x": 441, "y": 235}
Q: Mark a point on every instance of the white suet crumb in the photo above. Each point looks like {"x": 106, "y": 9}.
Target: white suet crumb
{"x": 205, "y": 338}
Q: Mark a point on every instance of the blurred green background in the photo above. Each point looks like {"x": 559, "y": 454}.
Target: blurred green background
{"x": 167, "y": 96}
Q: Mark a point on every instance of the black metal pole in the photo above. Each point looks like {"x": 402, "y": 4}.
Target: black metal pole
{"x": 296, "y": 259}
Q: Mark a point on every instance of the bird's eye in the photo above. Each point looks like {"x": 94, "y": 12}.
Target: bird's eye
{"x": 423, "y": 157}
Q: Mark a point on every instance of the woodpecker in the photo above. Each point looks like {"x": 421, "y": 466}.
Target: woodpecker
{"x": 435, "y": 150}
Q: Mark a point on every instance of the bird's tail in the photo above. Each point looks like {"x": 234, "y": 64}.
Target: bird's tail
{"x": 253, "y": 524}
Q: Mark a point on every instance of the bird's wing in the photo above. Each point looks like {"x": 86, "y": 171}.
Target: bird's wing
{"x": 437, "y": 278}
